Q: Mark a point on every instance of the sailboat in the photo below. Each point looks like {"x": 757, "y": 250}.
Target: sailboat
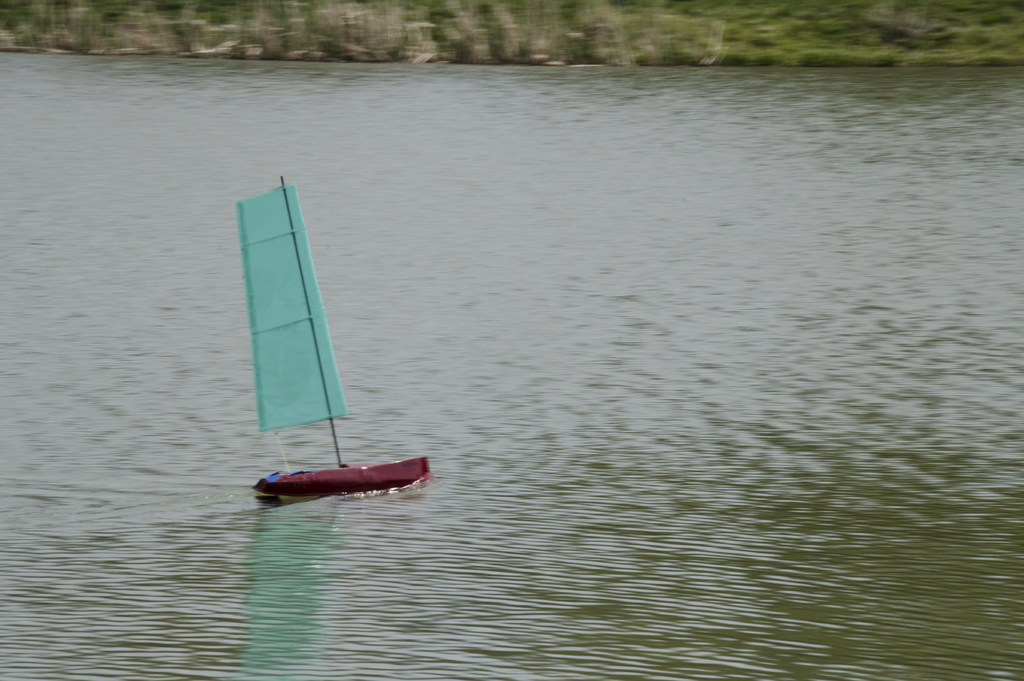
{"x": 297, "y": 380}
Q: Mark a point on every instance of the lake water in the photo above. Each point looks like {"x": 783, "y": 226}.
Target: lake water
{"x": 721, "y": 373}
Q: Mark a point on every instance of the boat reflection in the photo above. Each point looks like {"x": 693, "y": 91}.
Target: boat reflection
{"x": 287, "y": 572}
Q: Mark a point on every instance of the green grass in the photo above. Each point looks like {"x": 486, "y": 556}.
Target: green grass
{"x": 653, "y": 32}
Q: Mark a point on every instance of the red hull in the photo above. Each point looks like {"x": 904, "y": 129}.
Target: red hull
{"x": 353, "y": 479}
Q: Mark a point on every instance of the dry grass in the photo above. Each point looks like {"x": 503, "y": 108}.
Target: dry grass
{"x": 649, "y": 32}
{"x": 900, "y": 25}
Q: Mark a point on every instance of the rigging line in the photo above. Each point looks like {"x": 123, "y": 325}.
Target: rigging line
{"x": 257, "y": 443}
{"x": 287, "y": 466}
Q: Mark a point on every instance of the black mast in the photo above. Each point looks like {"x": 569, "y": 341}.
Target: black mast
{"x": 336, "y": 450}
{"x": 327, "y": 397}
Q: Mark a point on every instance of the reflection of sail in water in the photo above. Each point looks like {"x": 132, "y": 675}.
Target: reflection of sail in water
{"x": 287, "y": 575}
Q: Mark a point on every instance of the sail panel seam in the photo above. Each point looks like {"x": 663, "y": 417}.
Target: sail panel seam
{"x": 293, "y": 323}
{"x": 270, "y": 238}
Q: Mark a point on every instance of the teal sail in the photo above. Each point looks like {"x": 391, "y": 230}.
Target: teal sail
{"x": 292, "y": 356}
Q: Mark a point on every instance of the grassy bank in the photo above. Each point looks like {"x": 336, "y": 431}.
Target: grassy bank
{"x": 623, "y": 32}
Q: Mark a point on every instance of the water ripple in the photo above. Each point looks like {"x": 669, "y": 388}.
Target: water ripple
{"x": 719, "y": 370}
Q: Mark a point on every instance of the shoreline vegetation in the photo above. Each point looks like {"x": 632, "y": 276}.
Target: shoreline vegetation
{"x": 549, "y": 32}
